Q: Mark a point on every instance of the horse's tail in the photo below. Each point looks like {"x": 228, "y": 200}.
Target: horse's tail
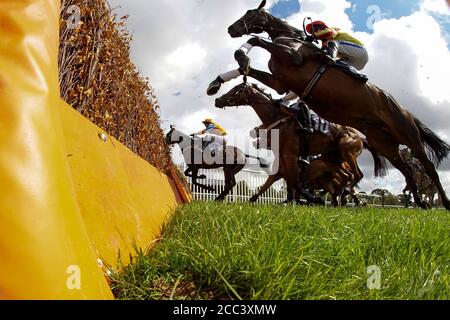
{"x": 263, "y": 163}
{"x": 436, "y": 148}
{"x": 379, "y": 161}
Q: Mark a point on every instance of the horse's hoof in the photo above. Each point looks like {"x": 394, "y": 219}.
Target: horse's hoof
{"x": 320, "y": 202}
{"x": 201, "y": 177}
{"x": 253, "y": 199}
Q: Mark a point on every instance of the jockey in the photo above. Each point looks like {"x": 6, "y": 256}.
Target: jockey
{"x": 213, "y": 134}
{"x": 301, "y": 111}
{"x": 337, "y": 42}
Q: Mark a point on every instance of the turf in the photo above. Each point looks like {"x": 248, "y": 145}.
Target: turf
{"x": 242, "y": 251}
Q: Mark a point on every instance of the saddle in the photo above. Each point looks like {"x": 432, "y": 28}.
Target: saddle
{"x": 350, "y": 70}
{"x": 319, "y": 124}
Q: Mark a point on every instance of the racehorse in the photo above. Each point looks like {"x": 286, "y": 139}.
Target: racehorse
{"x": 425, "y": 186}
{"x": 230, "y": 158}
{"x": 343, "y": 141}
{"x": 297, "y": 65}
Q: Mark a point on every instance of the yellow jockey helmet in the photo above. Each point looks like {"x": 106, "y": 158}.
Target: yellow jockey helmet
{"x": 211, "y": 124}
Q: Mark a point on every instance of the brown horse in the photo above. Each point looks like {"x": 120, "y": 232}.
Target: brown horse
{"x": 341, "y": 143}
{"x": 231, "y": 159}
{"x": 425, "y": 186}
{"x": 343, "y": 99}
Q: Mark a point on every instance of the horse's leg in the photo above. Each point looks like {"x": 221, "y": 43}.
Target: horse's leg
{"x": 349, "y": 149}
{"x": 431, "y": 199}
{"x": 230, "y": 180}
{"x": 268, "y": 80}
{"x": 194, "y": 175}
{"x": 355, "y": 198}
{"x": 389, "y": 148}
{"x": 227, "y": 188}
{"x": 188, "y": 172}
{"x": 269, "y": 182}
{"x": 344, "y": 195}
{"x": 420, "y": 154}
{"x": 280, "y": 51}
{"x": 290, "y": 194}
{"x": 334, "y": 199}
{"x": 405, "y": 196}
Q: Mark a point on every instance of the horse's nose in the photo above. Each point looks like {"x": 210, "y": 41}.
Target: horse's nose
{"x": 217, "y": 103}
{"x": 233, "y": 32}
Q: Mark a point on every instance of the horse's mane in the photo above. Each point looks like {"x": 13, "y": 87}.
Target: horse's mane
{"x": 267, "y": 95}
{"x": 297, "y": 32}
{"x": 294, "y": 32}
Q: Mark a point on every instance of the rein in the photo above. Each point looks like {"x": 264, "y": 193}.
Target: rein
{"x": 276, "y": 123}
{"x": 313, "y": 82}
{"x": 265, "y": 26}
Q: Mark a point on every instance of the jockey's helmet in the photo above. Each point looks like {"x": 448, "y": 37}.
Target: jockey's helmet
{"x": 207, "y": 121}
{"x": 318, "y": 25}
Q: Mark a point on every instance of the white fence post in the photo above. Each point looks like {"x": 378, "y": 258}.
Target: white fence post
{"x": 241, "y": 192}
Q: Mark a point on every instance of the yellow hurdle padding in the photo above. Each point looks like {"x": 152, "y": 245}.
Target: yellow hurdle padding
{"x": 72, "y": 199}
{"x": 123, "y": 200}
{"x": 45, "y": 251}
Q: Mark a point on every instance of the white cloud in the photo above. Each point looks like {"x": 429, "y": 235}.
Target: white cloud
{"x": 331, "y": 12}
{"x": 438, "y": 6}
{"x": 184, "y": 46}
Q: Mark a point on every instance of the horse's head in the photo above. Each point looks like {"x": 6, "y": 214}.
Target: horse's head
{"x": 169, "y": 139}
{"x": 254, "y": 21}
{"x": 242, "y": 95}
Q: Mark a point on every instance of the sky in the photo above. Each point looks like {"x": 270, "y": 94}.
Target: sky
{"x": 182, "y": 46}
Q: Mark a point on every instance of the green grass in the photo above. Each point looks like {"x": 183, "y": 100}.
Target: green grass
{"x": 234, "y": 251}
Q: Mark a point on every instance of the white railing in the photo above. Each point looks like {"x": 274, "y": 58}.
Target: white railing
{"x": 248, "y": 182}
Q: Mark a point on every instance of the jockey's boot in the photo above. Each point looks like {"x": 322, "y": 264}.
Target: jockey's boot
{"x": 243, "y": 60}
{"x": 305, "y": 118}
{"x": 214, "y": 86}
{"x": 332, "y": 52}
{"x": 302, "y": 128}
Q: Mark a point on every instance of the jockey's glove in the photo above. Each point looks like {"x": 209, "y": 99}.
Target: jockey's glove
{"x": 310, "y": 39}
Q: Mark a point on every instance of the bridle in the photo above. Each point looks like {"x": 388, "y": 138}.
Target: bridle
{"x": 258, "y": 28}
{"x": 246, "y": 89}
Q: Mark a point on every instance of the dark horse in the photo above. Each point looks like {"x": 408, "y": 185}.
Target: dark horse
{"x": 343, "y": 99}
{"x": 340, "y": 144}
{"x": 231, "y": 159}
